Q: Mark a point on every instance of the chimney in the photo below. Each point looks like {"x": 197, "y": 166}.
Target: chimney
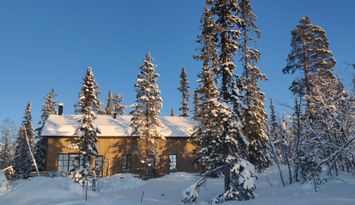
{"x": 60, "y": 108}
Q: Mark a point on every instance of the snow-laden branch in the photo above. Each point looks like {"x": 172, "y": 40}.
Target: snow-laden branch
{"x": 336, "y": 154}
{"x": 191, "y": 193}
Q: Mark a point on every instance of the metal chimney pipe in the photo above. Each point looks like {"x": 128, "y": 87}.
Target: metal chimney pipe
{"x": 60, "y": 108}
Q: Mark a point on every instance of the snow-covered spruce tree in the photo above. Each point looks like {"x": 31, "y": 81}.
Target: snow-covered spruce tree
{"x": 49, "y": 108}
{"x": 118, "y": 107}
{"x": 310, "y": 55}
{"x": 86, "y": 133}
{"x": 227, "y": 136}
{"x": 27, "y": 124}
{"x": 184, "y": 89}
{"x": 206, "y": 91}
{"x": 23, "y": 161}
{"x": 114, "y": 104}
{"x": 109, "y": 104}
{"x": 208, "y": 39}
{"x": 227, "y": 24}
{"x": 206, "y": 135}
{"x": 7, "y": 132}
{"x": 95, "y": 88}
{"x": 238, "y": 183}
{"x": 145, "y": 114}
{"x": 213, "y": 144}
{"x": 208, "y": 55}
{"x": 243, "y": 179}
{"x": 196, "y": 104}
{"x": 255, "y": 117}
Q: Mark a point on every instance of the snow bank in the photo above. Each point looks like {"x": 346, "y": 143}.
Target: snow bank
{"x": 128, "y": 190}
{"x": 41, "y": 190}
{"x": 120, "y": 182}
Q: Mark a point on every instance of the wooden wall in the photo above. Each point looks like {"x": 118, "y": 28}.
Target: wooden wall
{"x": 112, "y": 149}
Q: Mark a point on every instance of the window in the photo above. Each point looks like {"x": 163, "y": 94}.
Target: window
{"x": 172, "y": 161}
{"x": 126, "y": 162}
{"x": 70, "y": 162}
{"x": 74, "y": 160}
{"x": 63, "y": 162}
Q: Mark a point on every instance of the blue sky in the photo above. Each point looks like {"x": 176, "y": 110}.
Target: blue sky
{"x": 49, "y": 44}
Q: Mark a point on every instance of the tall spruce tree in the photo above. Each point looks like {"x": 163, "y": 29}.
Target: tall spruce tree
{"x": 228, "y": 23}
{"x": 226, "y": 118}
{"x": 49, "y": 108}
{"x": 232, "y": 150}
{"x": 184, "y": 89}
{"x": 23, "y": 162}
{"x": 27, "y": 124}
{"x": 145, "y": 115}
{"x": 86, "y": 133}
{"x": 206, "y": 91}
{"x": 255, "y": 116}
{"x": 22, "y": 159}
{"x": 95, "y": 91}
{"x": 208, "y": 40}
{"x": 205, "y": 136}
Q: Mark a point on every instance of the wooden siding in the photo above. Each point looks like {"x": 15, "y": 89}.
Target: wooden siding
{"x": 112, "y": 149}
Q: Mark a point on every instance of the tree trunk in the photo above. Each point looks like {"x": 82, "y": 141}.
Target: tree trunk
{"x": 298, "y": 111}
{"x": 227, "y": 179}
{"x": 276, "y": 161}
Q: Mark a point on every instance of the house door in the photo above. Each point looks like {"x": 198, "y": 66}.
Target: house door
{"x": 150, "y": 167}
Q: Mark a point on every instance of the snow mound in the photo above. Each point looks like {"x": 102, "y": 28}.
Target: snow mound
{"x": 76, "y": 189}
{"x": 119, "y": 182}
{"x": 126, "y": 189}
{"x": 40, "y": 190}
{"x": 178, "y": 176}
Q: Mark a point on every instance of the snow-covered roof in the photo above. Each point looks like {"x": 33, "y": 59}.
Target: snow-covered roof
{"x": 65, "y": 125}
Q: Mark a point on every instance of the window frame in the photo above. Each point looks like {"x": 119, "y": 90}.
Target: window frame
{"x": 172, "y": 161}
{"x": 67, "y": 165}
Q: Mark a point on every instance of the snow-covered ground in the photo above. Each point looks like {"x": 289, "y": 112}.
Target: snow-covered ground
{"x": 126, "y": 189}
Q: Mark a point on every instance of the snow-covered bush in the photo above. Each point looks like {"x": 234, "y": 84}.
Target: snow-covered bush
{"x": 243, "y": 175}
